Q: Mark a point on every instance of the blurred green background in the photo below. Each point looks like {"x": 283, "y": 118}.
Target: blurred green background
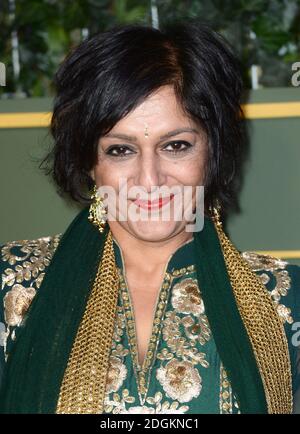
{"x": 36, "y": 35}
{"x": 265, "y": 33}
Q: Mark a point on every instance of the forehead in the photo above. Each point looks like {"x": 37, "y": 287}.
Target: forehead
{"x": 158, "y": 112}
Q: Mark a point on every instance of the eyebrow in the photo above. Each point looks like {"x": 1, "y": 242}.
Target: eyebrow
{"x": 163, "y": 137}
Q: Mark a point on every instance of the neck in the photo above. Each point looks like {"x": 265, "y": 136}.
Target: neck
{"x": 147, "y": 255}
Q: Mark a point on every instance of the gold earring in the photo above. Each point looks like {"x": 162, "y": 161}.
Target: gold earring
{"x": 97, "y": 214}
{"x": 216, "y": 218}
{"x": 216, "y": 215}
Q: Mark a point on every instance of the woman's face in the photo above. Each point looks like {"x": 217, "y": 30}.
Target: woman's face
{"x": 144, "y": 149}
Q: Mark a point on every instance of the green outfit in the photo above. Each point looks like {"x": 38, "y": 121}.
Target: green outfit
{"x": 182, "y": 371}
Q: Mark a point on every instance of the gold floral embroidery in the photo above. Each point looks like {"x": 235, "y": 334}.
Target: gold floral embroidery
{"x": 285, "y": 313}
{"x": 24, "y": 276}
{"x": 182, "y": 332}
{"x": 16, "y": 303}
{"x": 184, "y": 326}
{"x": 180, "y": 380}
{"x": 197, "y": 330}
{"x": 179, "y": 343}
{"x": 118, "y": 405}
{"x": 259, "y": 262}
{"x": 116, "y": 374}
{"x": 166, "y": 407}
{"x": 186, "y": 297}
{"x": 31, "y": 265}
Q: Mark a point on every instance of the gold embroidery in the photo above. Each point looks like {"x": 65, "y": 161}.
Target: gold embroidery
{"x": 116, "y": 374}
{"x": 117, "y": 405}
{"x": 259, "y": 262}
{"x": 276, "y": 266}
{"x": 225, "y": 392}
{"x": 143, "y": 373}
{"x": 16, "y": 303}
{"x": 28, "y": 267}
{"x": 118, "y": 349}
{"x": 285, "y": 313}
{"x": 179, "y": 344}
{"x": 184, "y": 326}
{"x": 117, "y": 370}
{"x": 166, "y": 407}
{"x": 180, "y": 380}
{"x": 186, "y": 297}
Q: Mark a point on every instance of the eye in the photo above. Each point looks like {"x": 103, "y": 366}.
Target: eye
{"x": 177, "y": 146}
{"x": 119, "y": 151}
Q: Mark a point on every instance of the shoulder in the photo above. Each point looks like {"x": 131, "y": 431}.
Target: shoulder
{"x": 22, "y": 269}
{"x": 282, "y": 280}
{"x": 26, "y": 260}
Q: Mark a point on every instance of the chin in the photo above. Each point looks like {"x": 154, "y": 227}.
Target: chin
{"x": 155, "y": 231}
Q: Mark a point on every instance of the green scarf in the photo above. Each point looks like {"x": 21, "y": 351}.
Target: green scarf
{"x": 36, "y": 365}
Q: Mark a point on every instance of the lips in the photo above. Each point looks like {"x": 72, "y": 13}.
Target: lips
{"x": 153, "y": 204}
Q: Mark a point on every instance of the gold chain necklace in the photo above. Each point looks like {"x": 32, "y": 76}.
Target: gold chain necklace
{"x": 264, "y": 328}
{"x": 83, "y": 386}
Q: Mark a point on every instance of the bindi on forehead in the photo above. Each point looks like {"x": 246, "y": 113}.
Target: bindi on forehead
{"x": 146, "y": 133}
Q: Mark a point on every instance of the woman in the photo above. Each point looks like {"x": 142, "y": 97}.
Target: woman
{"x": 144, "y": 311}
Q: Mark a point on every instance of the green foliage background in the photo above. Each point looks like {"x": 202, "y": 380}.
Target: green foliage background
{"x": 263, "y": 32}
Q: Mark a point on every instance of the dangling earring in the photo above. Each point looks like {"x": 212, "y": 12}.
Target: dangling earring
{"x": 216, "y": 215}
{"x": 97, "y": 214}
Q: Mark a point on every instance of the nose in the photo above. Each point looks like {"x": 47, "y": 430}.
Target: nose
{"x": 149, "y": 172}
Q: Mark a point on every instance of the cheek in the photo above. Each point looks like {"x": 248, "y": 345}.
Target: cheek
{"x": 198, "y": 168}
{"x": 190, "y": 173}
{"x": 102, "y": 174}
{"x": 108, "y": 173}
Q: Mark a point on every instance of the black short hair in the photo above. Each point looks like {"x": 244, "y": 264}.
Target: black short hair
{"x": 112, "y": 72}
